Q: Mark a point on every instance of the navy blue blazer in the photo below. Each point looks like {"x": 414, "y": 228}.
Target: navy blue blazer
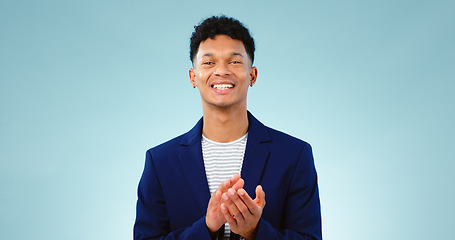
{"x": 173, "y": 192}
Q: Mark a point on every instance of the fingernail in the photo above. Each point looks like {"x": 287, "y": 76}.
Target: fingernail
{"x": 231, "y": 191}
{"x": 225, "y": 196}
{"x": 241, "y": 192}
{"x": 223, "y": 207}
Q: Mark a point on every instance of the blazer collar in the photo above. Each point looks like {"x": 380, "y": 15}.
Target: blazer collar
{"x": 254, "y": 160}
{"x": 256, "y": 131}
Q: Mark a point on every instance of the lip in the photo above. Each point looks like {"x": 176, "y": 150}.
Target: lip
{"x": 222, "y": 91}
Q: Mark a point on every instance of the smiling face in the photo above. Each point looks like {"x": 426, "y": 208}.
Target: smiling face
{"x": 222, "y": 72}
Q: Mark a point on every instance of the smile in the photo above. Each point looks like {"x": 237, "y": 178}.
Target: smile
{"x": 222, "y": 86}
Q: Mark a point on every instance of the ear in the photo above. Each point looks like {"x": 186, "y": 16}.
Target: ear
{"x": 192, "y": 76}
{"x": 253, "y": 75}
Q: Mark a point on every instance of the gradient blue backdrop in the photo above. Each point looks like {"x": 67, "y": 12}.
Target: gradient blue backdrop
{"x": 86, "y": 87}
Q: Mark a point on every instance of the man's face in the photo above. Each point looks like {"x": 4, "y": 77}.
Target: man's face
{"x": 222, "y": 72}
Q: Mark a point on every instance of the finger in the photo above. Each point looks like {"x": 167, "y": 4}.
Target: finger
{"x": 235, "y": 180}
{"x": 249, "y": 203}
{"x": 214, "y": 201}
{"x": 232, "y": 207}
{"x": 239, "y": 184}
{"x": 242, "y": 208}
{"x": 260, "y": 196}
{"x": 228, "y": 183}
{"x": 235, "y": 177}
{"x": 224, "y": 186}
{"x": 227, "y": 215}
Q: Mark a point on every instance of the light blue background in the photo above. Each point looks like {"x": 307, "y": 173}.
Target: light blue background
{"x": 86, "y": 87}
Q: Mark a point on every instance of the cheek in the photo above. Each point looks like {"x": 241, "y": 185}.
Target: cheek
{"x": 242, "y": 74}
{"x": 245, "y": 78}
{"x": 203, "y": 76}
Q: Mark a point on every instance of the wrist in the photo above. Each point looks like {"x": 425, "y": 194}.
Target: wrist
{"x": 212, "y": 231}
{"x": 212, "y": 234}
{"x": 252, "y": 235}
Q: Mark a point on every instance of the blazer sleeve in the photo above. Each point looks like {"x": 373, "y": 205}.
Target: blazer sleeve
{"x": 152, "y": 219}
{"x": 302, "y": 214}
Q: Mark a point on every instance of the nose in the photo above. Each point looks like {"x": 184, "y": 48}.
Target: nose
{"x": 221, "y": 70}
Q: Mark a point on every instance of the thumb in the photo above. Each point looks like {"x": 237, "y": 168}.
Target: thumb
{"x": 214, "y": 201}
{"x": 260, "y": 196}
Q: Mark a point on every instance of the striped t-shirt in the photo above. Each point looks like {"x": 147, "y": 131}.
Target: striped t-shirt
{"x": 222, "y": 161}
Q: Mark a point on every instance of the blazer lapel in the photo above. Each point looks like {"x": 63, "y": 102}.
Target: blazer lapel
{"x": 256, "y": 155}
{"x": 193, "y": 165}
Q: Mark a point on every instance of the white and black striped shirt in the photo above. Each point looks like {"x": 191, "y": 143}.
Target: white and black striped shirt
{"x": 221, "y": 162}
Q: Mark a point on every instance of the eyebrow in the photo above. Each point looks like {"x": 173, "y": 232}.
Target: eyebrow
{"x": 236, "y": 54}
{"x": 207, "y": 55}
{"x": 232, "y": 54}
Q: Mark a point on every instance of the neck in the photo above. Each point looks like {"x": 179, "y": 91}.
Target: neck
{"x": 225, "y": 125}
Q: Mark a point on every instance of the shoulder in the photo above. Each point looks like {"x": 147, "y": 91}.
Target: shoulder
{"x": 281, "y": 136}
{"x": 276, "y": 140}
{"x": 165, "y": 155}
{"x": 286, "y": 141}
{"x": 174, "y": 146}
{"x": 170, "y": 146}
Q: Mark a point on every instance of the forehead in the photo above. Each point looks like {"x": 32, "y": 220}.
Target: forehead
{"x": 221, "y": 45}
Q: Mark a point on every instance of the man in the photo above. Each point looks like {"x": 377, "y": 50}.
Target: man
{"x": 182, "y": 193}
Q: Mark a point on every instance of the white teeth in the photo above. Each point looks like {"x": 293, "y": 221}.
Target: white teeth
{"x": 223, "y": 86}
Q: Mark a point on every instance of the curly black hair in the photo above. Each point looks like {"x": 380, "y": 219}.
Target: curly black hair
{"x": 221, "y": 25}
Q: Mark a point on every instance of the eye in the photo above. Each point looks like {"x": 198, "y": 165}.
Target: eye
{"x": 235, "y": 62}
{"x": 208, "y": 63}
